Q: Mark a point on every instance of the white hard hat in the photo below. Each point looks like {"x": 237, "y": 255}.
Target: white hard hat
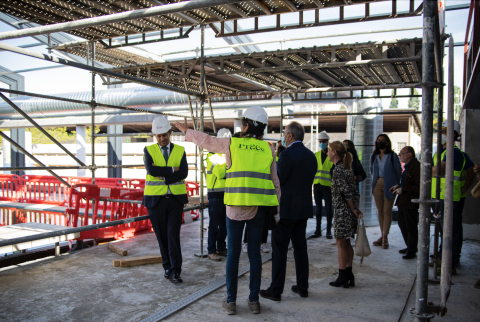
{"x": 323, "y": 136}
{"x": 456, "y": 126}
{"x": 256, "y": 113}
{"x": 224, "y": 133}
{"x": 160, "y": 125}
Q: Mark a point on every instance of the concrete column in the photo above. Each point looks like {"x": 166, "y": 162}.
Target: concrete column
{"x": 237, "y": 124}
{"x": 81, "y": 148}
{"x": 470, "y": 119}
{"x": 6, "y": 153}
{"x": 115, "y": 150}
{"x": 17, "y": 157}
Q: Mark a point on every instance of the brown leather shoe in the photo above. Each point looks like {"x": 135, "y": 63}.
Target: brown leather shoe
{"x": 214, "y": 257}
{"x": 378, "y": 242}
{"x": 222, "y": 253}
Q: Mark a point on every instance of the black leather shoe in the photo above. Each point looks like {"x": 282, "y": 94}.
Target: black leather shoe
{"x": 166, "y": 275}
{"x": 329, "y": 236}
{"x": 409, "y": 255}
{"x": 316, "y": 234}
{"x": 403, "y": 251}
{"x": 175, "y": 278}
{"x": 302, "y": 293}
{"x": 270, "y": 295}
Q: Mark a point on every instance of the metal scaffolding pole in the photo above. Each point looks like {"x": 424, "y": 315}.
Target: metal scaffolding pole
{"x": 281, "y": 115}
{"x": 190, "y": 107}
{"x": 66, "y": 62}
{"x": 202, "y": 107}
{"x": 15, "y": 144}
{"x": 116, "y": 17}
{"x": 428, "y": 71}
{"x": 16, "y": 108}
{"x": 93, "y": 113}
{"x": 210, "y": 107}
{"x": 448, "y": 218}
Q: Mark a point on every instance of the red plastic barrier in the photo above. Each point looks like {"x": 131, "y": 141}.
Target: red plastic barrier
{"x": 193, "y": 189}
{"x": 10, "y": 187}
{"x": 111, "y": 182}
{"x": 43, "y": 190}
{"x": 136, "y": 184}
{"x": 13, "y": 216}
{"x": 80, "y": 212}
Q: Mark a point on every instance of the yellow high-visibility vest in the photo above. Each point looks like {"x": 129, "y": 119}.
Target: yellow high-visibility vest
{"x": 215, "y": 173}
{"x": 157, "y": 187}
{"x": 457, "y": 180}
{"x": 249, "y": 182}
{"x": 323, "y": 175}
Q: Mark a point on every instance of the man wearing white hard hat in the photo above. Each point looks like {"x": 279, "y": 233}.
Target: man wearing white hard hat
{"x": 252, "y": 189}
{"x": 463, "y": 178}
{"x": 322, "y": 186}
{"x": 217, "y": 211}
{"x": 165, "y": 194}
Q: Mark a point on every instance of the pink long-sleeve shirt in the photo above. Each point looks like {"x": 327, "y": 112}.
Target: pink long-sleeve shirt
{"x": 222, "y": 145}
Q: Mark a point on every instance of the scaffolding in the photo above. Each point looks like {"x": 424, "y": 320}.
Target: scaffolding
{"x": 346, "y": 71}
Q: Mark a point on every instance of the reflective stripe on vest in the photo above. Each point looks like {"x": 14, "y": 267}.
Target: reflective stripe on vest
{"x": 157, "y": 187}
{"x": 214, "y": 184}
{"x": 458, "y": 180}
{"x": 248, "y": 181}
{"x": 323, "y": 175}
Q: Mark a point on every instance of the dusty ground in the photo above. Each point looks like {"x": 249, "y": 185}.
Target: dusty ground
{"x": 84, "y": 286}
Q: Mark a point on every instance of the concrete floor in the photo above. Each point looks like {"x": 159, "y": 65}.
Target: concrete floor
{"x": 84, "y": 286}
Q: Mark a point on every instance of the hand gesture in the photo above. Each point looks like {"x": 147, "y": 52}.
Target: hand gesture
{"x": 176, "y": 169}
{"x": 181, "y": 127}
{"x": 392, "y": 189}
{"x": 357, "y": 213}
{"x": 398, "y": 191}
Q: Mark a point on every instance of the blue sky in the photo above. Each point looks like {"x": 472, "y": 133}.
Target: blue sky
{"x": 69, "y": 79}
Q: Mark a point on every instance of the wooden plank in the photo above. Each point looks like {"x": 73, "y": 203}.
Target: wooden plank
{"x": 117, "y": 250}
{"x": 135, "y": 261}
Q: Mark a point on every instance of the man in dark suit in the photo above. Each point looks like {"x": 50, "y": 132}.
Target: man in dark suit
{"x": 296, "y": 169}
{"x": 165, "y": 194}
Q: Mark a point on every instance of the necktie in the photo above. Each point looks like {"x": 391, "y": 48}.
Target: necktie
{"x": 165, "y": 153}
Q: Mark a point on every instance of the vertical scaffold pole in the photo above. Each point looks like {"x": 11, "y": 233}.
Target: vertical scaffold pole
{"x": 428, "y": 71}
{"x": 202, "y": 107}
{"x": 447, "y": 242}
{"x": 93, "y": 113}
{"x": 281, "y": 115}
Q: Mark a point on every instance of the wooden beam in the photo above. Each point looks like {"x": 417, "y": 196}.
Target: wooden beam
{"x": 290, "y": 5}
{"x": 135, "y": 261}
{"x": 263, "y": 7}
{"x": 117, "y": 250}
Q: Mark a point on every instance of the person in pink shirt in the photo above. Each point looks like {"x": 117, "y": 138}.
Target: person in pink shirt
{"x": 252, "y": 191}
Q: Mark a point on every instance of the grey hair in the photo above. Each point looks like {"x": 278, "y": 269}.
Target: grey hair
{"x": 297, "y": 131}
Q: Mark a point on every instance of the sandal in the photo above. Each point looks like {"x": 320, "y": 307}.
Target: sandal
{"x": 385, "y": 243}
{"x": 378, "y": 242}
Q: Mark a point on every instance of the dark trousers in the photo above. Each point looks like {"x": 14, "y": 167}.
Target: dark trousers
{"x": 286, "y": 230}
{"x": 322, "y": 192}
{"x": 264, "y": 234}
{"x": 166, "y": 219}
{"x": 408, "y": 223}
{"x": 254, "y": 228}
{"x": 217, "y": 225}
{"x": 457, "y": 238}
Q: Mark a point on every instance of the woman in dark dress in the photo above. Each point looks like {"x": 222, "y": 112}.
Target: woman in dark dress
{"x": 345, "y": 210}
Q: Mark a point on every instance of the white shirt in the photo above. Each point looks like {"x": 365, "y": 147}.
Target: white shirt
{"x": 293, "y": 143}
{"x": 168, "y": 150}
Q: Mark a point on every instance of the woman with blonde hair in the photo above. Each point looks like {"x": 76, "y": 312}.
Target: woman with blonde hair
{"x": 345, "y": 210}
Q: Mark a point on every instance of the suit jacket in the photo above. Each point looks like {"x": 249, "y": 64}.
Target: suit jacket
{"x": 170, "y": 177}
{"x": 296, "y": 169}
{"x": 392, "y": 173}
{"x": 411, "y": 186}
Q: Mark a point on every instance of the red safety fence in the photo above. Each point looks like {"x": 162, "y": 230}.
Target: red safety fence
{"x": 193, "y": 189}
{"x": 136, "y": 184}
{"x": 10, "y": 187}
{"x": 13, "y": 216}
{"x": 43, "y": 190}
{"x": 113, "y": 182}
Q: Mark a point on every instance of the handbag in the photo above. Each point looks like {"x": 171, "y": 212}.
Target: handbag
{"x": 362, "y": 247}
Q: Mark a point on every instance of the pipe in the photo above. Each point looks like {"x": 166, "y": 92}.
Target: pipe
{"x": 41, "y": 129}
{"x": 202, "y": 121}
{"x": 73, "y": 167}
{"x": 428, "y": 65}
{"x": 66, "y": 62}
{"x": 114, "y": 18}
{"x": 3, "y": 135}
{"x": 93, "y": 113}
{"x": 447, "y": 242}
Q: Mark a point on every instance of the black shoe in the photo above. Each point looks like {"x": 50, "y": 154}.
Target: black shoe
{"x": 267, "y": 294}
{"x": 329, "y": 236}
{"x": 409, "y": 255}
{"x": 403, "y": 251}
{"x": 175, "y": 278}
{"x": 167, "y": 274}
{"x": 316, "y": 234}
{"x": 351, "y": 277}
{"x": 342, "y": 279}
{"x": 302, "y": 293}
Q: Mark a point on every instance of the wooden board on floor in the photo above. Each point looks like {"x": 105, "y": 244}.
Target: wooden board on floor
{"x": 117, "y": 250}
{"x": 135, "y": 261}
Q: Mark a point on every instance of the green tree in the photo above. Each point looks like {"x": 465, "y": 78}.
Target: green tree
{"x": 59, "y": 133}
{"x": 414, "y": 102}
{"x": 394, "y": 103}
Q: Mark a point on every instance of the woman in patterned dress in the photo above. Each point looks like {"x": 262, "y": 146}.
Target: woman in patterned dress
{"x": 345, "y": 210}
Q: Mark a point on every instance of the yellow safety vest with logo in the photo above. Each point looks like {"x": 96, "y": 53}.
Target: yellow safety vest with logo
{"x": 249, "y": 182}
{"x": 463, "y": 177}
{"x": 215, "y": 174}
{"x": 458, "y": 181}
{"x": 323, "y": 175}
{"x": 157, "y": 187}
